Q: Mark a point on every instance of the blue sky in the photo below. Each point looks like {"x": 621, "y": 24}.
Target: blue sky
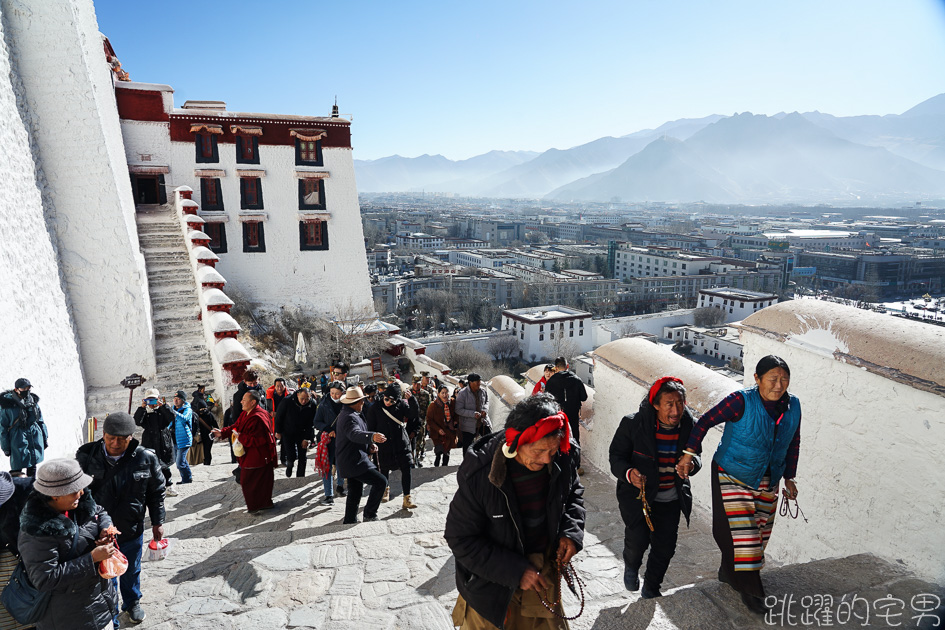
{"x": 460, "y": 79}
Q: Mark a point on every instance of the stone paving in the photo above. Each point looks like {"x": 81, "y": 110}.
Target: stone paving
{"x": 297, "y": 566}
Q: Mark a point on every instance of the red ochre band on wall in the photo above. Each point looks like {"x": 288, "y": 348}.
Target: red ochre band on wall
{"x": 148, "y": 105}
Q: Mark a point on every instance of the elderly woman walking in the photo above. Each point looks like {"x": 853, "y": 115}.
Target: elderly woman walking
{"x": 517, "y": 515}
{"x": 759, "y": 447}
{"x": 442, "y": 425}
{"x": 60, "y": 530}
{"x": 255, "y": 433}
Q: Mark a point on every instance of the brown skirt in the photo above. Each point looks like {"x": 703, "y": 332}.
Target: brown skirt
{"x": 256, "y": 484}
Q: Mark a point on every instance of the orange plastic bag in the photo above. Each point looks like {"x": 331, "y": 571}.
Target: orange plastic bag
{"x": 117, "y": 564}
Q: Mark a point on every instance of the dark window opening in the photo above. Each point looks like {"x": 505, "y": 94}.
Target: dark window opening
{"x": 313, "y": 235}
{"x": 251, "y": 197}
{"x": 254, "y": 237}
{"x": 211, "y": 194}
{"x": 247, "y": 150}
{"x": 311, "y": 194}
{"x": 146, "y": 189}
{"x": 207, "y": 150}
{"x": 308, "y": 153}
{"x": 217, "y": 233}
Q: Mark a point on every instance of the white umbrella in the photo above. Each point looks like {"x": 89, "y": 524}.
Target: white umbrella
{"x": 301, "y": 356}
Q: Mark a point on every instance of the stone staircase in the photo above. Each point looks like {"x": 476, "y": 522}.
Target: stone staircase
{"x": 183, "y": 359}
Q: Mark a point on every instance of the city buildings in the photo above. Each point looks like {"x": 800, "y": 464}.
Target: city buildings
{"x": 549, "y": 331}
{"x": 737, "y": 304}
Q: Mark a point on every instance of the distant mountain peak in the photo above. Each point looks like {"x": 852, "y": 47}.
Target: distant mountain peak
{"x": 934, "y": 106}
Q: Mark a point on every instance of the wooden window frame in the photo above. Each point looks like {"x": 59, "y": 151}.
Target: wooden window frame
{"x": 200, "y": 144}
{"x": 208, "y": 184}
{"x": 321, "y": 194}
{"x": 242, "y": 144}
{"x": 304, "y": 244}
{"x": 245, "y": 203}
{"x": 220, "y": 247}
{"x": 299, "y": 153}
{"x": 260, "y": 234}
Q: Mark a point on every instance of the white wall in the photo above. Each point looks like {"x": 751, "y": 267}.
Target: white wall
{"x": 36, "y": 332}
{"x": 142, "y": 136}
{"x": 624, "y": 370}
{"x": 868, "y": 474}
{"x": 607, "y": 330}
{"x": 869, "y": 477}
{"x": 86, "y": 191}
{"x": 317, "y": 280}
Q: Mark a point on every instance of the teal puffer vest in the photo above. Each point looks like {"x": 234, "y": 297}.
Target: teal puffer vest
{"x": 751, "y": 446}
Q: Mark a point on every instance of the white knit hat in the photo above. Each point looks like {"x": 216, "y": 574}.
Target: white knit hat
{"x": 59, "y": 477}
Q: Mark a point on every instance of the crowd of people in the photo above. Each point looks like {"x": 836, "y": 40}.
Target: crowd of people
{"x": 513, "y": 525}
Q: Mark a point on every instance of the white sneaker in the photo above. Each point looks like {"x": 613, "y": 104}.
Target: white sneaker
{"x": 170, "y": 491}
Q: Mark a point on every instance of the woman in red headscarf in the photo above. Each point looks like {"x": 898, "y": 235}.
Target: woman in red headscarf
{"x": 643, "y": 456}
{"x": 517, "y": 514}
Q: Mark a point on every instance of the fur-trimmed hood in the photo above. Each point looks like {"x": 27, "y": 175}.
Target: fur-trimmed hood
{"x": 10, "y": 400}
{"x": 39, "y": 519}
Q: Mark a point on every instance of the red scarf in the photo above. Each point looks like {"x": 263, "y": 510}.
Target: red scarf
{"x": 659, "y": 383}
{"x": 540, "y": 429}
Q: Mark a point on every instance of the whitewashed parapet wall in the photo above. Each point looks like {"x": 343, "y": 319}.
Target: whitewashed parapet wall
{"x": 872, "y": 391}
{"x": 68, "y": 92}
{"x": 225, "y": 352}
{"x": 36, "y": 334}
{"x": 624, "y": 370}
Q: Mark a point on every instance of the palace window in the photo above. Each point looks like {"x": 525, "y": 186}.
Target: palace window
{"x": 308, "y": 152}
{"x": 211, "y": 194}
{"x": 313, "y": 235}
{"x": 254, "y": 237}
{"x": 311, "y": 194}
{"x": 206, "y": 144}
{"x": 247, "y": 150}
{"x": 217, "y": 233}
{"x": 251, "y": 197}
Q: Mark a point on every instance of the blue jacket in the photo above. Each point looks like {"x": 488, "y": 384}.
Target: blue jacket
{"x": 23, "y": 435}
{"x": 757, "y": 442}
{"x": 183, "y": 425}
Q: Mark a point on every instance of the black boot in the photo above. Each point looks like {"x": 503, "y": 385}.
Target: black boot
{"x": 446, "y": 459}
{"x": 631, "y": 579}
{"x": 436, "y": 461}
{"x": 650, "y": 590}
{"x": 754, "y": 603}
{"x": 288, "y": 468}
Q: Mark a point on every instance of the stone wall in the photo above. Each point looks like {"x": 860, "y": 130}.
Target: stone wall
{"x": 69, "y": 96}
{"x": 36, "y": 331}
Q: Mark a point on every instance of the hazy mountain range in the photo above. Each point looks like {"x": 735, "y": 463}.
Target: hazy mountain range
{"x": 810, "y": 157}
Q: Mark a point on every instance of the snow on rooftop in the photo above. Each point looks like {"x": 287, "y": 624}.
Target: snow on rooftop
{"x": 204, "y": 253}
{"x": 541, "y": 313}
{"x": 216, "y": 297}
{"x": 209, "y": 274}
{"x": 223, "y": 322}
{"x": 196, "y": 235}
{"x": 230, "y": 350}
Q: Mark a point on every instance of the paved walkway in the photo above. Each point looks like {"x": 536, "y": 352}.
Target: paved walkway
{"x": 297, "y": 566}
